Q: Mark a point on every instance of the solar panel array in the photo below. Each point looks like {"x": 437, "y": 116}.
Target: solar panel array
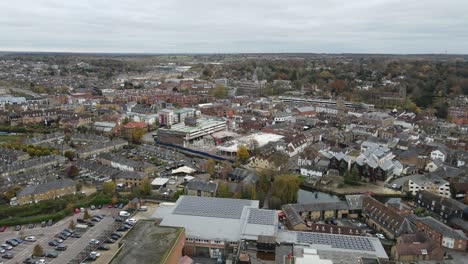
{"x": 261, "y": 217}
{"x": 335, "y": 241}
{"x": 211, "y": 207}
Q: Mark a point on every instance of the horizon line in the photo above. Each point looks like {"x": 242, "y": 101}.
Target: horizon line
{"x": 228, "y": 53}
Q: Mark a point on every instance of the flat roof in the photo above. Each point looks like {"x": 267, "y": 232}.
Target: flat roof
{"x": 219, "y": 218}
{"x": 159, "y": 181}
{"x": 202, "y": 123}
{"x": 262, "y": 139}
{"x": 147, "y": 242}
{"x": 334, "y": 242}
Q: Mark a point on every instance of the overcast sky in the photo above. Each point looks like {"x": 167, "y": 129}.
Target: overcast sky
{"x": 217, "y": 26}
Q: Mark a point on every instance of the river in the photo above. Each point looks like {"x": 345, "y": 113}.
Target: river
{"x": 305, "y": 197}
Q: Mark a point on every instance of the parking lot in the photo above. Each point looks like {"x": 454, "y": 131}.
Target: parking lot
{"x": 46, "y": 234}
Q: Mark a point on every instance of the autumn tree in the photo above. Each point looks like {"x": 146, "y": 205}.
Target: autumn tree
{"x": 285, "y": 187}
{"x": 72, "y": 171}
{"x": 38, "y": 251}
{"x": 108, "y": 187}
{"x": 223, "y": 190}
{"x": 86, "y": 215}
{"x": 226, "y": 170}
{"x": 71, "y": 225}
{"x": 137, "y": 135}
{"x": 242, "y": 154}
{"x": 219, "y": 91}
{"x": 145, "y": 187}
{"x": 211, "y": 167}
{"x": 69, "y": 154}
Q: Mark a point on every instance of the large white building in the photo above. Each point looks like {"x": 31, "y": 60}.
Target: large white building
{"x": 427, "y": 182}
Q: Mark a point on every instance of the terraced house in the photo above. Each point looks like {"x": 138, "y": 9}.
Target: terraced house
{"x": 384, "y": 219}
{"x": 46, "y": 191}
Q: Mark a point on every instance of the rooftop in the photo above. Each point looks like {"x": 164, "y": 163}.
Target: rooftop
{"x": 147, "y": 243}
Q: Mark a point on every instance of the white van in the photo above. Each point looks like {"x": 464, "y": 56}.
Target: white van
{"x": 143, "y": 208}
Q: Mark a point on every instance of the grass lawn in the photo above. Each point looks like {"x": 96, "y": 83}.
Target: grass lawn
{"x": 7, "y": 139}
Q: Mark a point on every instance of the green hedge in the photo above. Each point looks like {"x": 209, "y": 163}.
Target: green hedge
{"x": 34, "y": 219}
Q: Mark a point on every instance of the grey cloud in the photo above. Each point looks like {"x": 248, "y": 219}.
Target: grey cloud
{"x": 377, "y": 26}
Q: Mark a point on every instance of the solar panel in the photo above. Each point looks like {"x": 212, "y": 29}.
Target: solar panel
{"x": 211, "y": 207}
{"x": 335, "y": 241}
{"x": 261, "y": 217}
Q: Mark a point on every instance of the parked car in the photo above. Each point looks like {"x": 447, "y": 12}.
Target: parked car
{"x": 116, "y": 206}
{"x": 69, "y": 230}
{"x": 31, "y": 239}
{"x": 109, "y": 206}
{"x": 94, "y": 241}
{"x": 76, "y": 235}
{"x": 103, "y": 247}
{"x": 61, "y": 247}
{"x": 51, "y": 255}
{"x": 117, "y": 234}
{"x": 90, "y": 223}
{"x": 50, "y": 222}
{"x": 61, "y": 236}
{"x": 18, "y": 240}
{"x": 143, "y": 208}
{"x": 99, "y": 216}
{"x": 109, "y": 241}
{"x": 29, "y": 261}
{"x": 6, "y": 246}
{"x": 58, "y": 240}
{"x": 8, "y": 256}
{"x": 94, "y": 219}
{"x": 97, "y": 254}
{"x": 31, "y": 226}
{"x": 54, "y": 243}
{"x": 41, "y": 261}
{"x": 114, "y": 237}
{"x": 99, "y": 206}
{"x": 121, "y": 206}
{"x": 3, "y": 228}
{"x": 12, "y": 243}
{"x": 379, "y": 235}
{"x": 43, "y": 224}
{"x": 2, "y": 250}
{"x": 91, "y": 257}
{"x": 93, "y": 207}
{"x": 81, "y": 221}
{"x": 17, "y": 228}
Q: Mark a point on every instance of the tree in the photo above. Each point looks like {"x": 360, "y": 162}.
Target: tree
{"x": 219, "y": 91}
{"x": 264, "y": 180}
{"x": 72, "y": 171}
{"x": 223, "y": 190}
{"x": 280, "y": 159}
{"x": 254, "y": 146}
{"x": 86, "y": 215}
{"x": 114, "y": 199}
{"x": 137, "y": 135}
{"x": 242, "y": 154}
{"x": 38, "y": 251}
{"x": 11, "y": 192}
{"x": 145, "y": 187}
{"x": 211, "y": 167}
{"x": 108, "y": 188}
{"x": 71, "y": 225}
{"x": 227, "y": 168}
{"x": 285, "y": 187}
{"x": 274, "y": 203}
{"x": 69, "y": 154}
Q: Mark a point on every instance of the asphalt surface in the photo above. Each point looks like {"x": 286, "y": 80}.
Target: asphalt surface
{"x": 46, "y": 234}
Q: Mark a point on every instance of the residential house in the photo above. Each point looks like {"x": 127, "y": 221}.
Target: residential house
{"x": 443, "y": 234}
{"x": 130, "y": 178}
{"x": 201, "y": 188}
{"x": 446, "y": 208}
{"x": 416, "y": 247}
{"x": 428, "y": 182}
{"x": 46, "y": 191}
{"x": 383, "y": 219}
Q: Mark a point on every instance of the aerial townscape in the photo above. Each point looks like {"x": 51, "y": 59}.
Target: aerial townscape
{"x": 249, "y": 158}
{"x": 233, "y": 132}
